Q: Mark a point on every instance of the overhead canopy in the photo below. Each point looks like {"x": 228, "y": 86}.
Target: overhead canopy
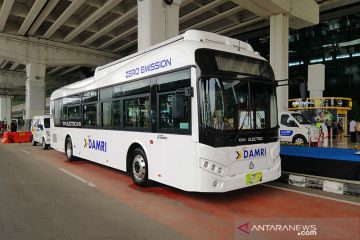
{"x": 302, "y": 13}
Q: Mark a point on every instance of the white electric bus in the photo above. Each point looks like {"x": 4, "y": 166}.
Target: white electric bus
{"x": 197, "y": 112}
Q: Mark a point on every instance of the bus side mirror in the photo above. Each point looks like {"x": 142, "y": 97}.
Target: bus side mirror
{"x": 178, "y": 106}
{"x": 303, "y": 91}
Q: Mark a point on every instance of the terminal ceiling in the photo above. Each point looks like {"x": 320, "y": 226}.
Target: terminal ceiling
{"x": 111, "y": 25}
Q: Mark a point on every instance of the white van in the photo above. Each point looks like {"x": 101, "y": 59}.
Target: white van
{"x": 297, "y": 128}
{"x": 40, "y": 128}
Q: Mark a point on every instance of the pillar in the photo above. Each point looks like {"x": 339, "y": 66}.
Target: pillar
{"x": 158, "y": 20}
{"x": 35, "y": 91}
{"x": 316, "y": 80}
{"x": 5, "y": 108}
{"x": 279, "y": 55}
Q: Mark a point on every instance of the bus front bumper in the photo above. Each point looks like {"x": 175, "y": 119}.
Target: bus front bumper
{"x": 209, "y": 182}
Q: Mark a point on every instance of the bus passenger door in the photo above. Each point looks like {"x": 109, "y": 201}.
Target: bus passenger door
{"x": 173, "y": 144}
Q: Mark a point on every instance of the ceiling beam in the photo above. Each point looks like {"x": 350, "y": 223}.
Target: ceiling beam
{"x": 54, "y": 70}
{"x": 14, "y": 78}
{"x": 119, "y": 37}
{"x": 43, "y": 15}
{"x": 20, "y": 10}
{"x": 4, "y": 12}
{"x": 34, "y": 11}
{"x": 185, "y": 2}
{"x": 184, "y": 18}
{"x": 69, "y": 70}
{"x": 3, "y": 64}
{"x": 29, "y": 49}
{"x": 14, "y": 66}
{"x": 133, "y": 42}
{"x": 91, "y": 19}
{"x": 131, "y": 13}
{"x": 63, "y": 17}
{"x": 237, "y": 26}
{"x": 98, "y": 3}
{"x": 214, "y": 18}
{"x": 201, "y": 10}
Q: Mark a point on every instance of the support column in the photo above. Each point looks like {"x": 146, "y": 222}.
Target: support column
{"x": 316, "y": 80}
{"x": 157, "y": 21}
{"x": 35, "y": 91}
{"x": 5, "y": 109}
{"x": 279, "y": 55}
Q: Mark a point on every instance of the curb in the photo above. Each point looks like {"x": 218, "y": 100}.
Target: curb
{"x": 328, "y": 185}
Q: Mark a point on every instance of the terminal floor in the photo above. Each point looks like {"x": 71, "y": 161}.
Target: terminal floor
{"x": 42, "y": 196}
{"x": 345, "y": 142}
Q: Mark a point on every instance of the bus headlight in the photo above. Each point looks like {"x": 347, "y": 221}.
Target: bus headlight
{"x": 212, "y": 167}
{"x": 214, "y": 183}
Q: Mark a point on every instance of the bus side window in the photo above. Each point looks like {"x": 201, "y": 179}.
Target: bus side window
{"x": 111, "y": 114}
{"x": 167, "y": 85}
{"x": 64, "y": 110}
{"x": 57, "y": 112}
{"x": 166, "y": 120}
{"x": 137, "y": 112}
{"x": 91, "y": 115}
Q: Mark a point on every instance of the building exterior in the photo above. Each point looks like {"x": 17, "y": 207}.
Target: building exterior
{"x": 334, "y": 43}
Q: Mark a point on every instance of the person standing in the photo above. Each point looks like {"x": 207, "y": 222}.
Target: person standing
{"x": 340, "y": 131}
{"x": 12, "y": 126}
{"x": 328, "y": 126}
{"x": 334, "y": 129}
{"x": 2, "y": 126}
{"x": 352, "y": 130}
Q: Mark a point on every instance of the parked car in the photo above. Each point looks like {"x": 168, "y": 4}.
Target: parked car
{"x": 40, "y": 128}
{"x": 297, "y": 128}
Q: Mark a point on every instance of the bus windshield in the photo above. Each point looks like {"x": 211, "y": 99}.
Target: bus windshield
{"x": 237, "y": 104}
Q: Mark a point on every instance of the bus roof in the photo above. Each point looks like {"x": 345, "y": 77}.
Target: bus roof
{"x": 172, "y": 54}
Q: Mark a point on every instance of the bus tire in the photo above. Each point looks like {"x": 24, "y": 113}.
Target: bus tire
{"x": 33, "y": 142}
{"x": 299, "y": 140}
{"x": 69, "y": 149}
{"x": 43, "y": 144}
{"x": 139, "y": 167}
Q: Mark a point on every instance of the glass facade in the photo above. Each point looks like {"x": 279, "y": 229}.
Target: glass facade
{"x": 334, "y": 43}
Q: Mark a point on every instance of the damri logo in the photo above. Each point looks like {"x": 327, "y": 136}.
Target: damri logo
{"x": 97, "y": 145}
{"x": 252, "y": 153}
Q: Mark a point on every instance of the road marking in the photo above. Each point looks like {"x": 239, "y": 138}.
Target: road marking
{"x": 24, "y": 151}
{"x": 77, "y": 177}
{"x": 313, "y": 195}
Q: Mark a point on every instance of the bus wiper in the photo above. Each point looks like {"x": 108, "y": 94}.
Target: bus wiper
{"x": 243, "y": 122}
{"x": 239, "y": 131}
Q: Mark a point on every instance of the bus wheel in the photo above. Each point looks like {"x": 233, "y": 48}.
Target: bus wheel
{"x": 44, "y": 145}
{"x": 33, "y": 142}
{"x": 299, "y": 140}
{"x": 69, "y": 149}
{"x": 139, "y": 167}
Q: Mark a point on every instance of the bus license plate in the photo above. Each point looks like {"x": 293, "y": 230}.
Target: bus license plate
{"x": 252, "y": 178}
